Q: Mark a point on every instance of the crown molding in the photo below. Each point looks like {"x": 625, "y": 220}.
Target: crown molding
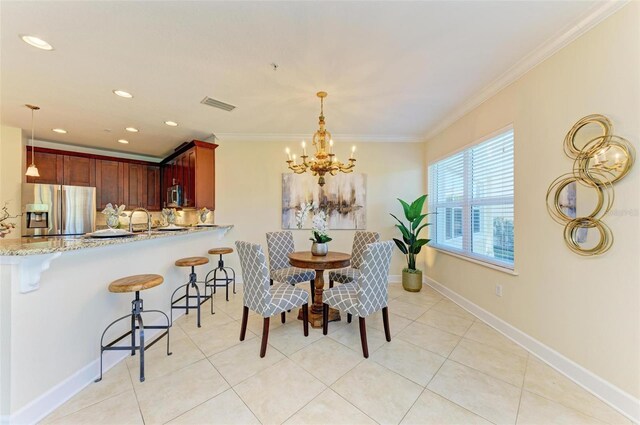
{"x": 547, "y": 49}
{"x": 296, "y": 138}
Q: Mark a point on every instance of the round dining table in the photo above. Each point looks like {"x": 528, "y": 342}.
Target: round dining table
{"x": 306, "y": 260}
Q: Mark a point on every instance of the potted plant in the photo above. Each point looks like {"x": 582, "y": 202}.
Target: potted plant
{"x": 411, "y": 245}
{"x": 5, "y": 225}
{"x": 320, "y": 236}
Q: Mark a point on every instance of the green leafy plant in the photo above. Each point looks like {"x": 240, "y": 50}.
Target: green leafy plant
{"x": 411, "y": 245}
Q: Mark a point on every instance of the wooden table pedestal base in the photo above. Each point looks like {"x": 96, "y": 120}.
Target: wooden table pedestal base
{"x": 315, "y": 319}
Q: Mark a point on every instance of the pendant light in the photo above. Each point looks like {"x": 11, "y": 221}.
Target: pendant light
{"x": 32, "y": 170}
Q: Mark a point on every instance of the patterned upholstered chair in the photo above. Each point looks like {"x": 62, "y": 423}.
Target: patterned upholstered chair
{"x": 365, "y": 295}
{"x": 262, "y": 298}
{"x": 349, "y": 274}
{"x": 279, "y": 244}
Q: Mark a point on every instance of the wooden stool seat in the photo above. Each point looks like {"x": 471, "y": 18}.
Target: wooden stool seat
{"x": 220, "y": 251}
{"x": 192, "y": 261}
{"x": 135, "y": 283}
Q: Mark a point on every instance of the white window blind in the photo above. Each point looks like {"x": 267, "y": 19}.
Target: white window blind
{"x": 471, "y": 197}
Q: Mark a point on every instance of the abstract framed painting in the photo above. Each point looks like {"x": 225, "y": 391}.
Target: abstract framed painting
{"x": 343, "y": 199}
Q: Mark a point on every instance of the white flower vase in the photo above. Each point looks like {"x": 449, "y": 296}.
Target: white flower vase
{"x": 319, "y": 249}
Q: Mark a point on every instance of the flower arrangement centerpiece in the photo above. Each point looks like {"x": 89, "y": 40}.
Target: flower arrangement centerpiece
{"x": 203, "y": 213}
{"x": 113, "y": 215}
{"x": 302, "y": 213}
{"x": 319, "y": 233}
{"x": 5, "y": 225}
{"x": 169, "y": 215}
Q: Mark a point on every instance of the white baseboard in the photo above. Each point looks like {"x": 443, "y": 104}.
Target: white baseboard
{"x": 42, "y": 406}
{"x": 623, "y": 402}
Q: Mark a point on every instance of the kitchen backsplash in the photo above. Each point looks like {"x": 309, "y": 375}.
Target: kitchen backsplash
{"x": 183, "y": 218}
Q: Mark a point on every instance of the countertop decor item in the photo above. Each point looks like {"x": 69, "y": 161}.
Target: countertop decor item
{"x": 600, "y": 159}
{"x": 320, "y": 237}
{"x": 5, "y": 224}
{"x": 169, "y": 215}
{"x": 324, "y": 160}
{"x": 202, "y": 214}
{"x": 113, "y": 215}
{"x": 32, "y": 170}
{"x": 411, "y": 244}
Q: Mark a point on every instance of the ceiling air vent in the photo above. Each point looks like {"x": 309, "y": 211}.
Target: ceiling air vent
{"x": 217, "y": 104}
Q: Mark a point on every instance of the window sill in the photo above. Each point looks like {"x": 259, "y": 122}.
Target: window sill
{"x": 475, "y": 261}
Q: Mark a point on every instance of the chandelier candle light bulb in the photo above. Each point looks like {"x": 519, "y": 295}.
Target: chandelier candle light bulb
{"x": 324, "y": 160}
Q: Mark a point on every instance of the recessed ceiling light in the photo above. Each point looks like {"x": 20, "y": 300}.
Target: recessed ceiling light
{"x": 171, "y": 123}
{"x": 123, "y": 93}
{"x": 60, "y": 130}
{"x": 36, "y": 42}
{"x": 132, "y": 129}
{"x": 124, "y": 142}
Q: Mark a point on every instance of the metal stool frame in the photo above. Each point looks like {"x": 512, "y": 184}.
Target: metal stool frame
{"x": 226, "y": 279}
{"x": 193, "y": 282}
{"x": 136, "y": 316}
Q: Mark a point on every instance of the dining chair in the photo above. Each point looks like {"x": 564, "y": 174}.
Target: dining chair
{"x": 279, "y": 245}
{"x": 349, "y": 274}
{"x": 367, "y": 294}
{"x": 261, "y": 297}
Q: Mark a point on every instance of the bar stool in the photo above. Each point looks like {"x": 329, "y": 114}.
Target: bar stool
{"x": 135, "y": 284}
{"x": 193, "y": 283}
{"x": 226, "y": 279}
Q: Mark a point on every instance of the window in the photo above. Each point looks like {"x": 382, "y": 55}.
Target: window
{"x": 471, "y": 197}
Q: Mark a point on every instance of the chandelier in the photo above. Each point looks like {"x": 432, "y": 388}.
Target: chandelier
{"x": 324, "y": 160}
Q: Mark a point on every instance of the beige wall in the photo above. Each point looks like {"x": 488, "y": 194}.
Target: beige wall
{"x": 11, "y": 172}
{"x": 249, "y": 190}
{"x": 588, "y": 309}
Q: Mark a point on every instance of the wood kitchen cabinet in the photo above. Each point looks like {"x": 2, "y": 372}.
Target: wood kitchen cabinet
{"x": 154, "y": 202}
{"x": 79, "y": 171}
{"x": 135, "y": 182}
{"x": 50, "y": 166}
{"x": 192, "y": 167}
{"x": 110, "y": 186}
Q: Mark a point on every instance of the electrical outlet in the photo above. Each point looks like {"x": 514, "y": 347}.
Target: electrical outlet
{"x": 499, "y": 290}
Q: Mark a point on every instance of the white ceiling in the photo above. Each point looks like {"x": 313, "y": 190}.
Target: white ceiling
{"x": 393, "y": 70}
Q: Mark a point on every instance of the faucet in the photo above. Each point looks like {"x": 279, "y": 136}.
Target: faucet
{"x": 148, "y": 219}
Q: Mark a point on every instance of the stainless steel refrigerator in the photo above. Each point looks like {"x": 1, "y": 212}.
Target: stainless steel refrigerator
{"x": 55, "y": 210}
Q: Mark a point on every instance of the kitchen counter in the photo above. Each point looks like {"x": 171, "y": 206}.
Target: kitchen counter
{"x": 48, "y": 245}
{"x": 54, "y": 294}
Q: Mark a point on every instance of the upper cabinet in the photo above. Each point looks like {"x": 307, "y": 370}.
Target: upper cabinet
{"x": 193, "y": 168}
{"x": 117, "y": 180}
{"x": 50, "y": 166}
{"x": 131, "y": 182}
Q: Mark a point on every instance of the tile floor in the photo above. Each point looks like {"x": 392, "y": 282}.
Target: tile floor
{"x": 443, "y": 366}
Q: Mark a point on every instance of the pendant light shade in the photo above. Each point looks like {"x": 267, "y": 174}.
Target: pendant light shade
{"x": 32, "y": 170}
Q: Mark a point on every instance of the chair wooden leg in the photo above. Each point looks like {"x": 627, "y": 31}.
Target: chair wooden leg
{"x": 305, "y": 319}
{"x": 265, "y": 337}
{"x": 243, "y": 327}
{"x": 313, "y": 287}
{"x": 349, "y": 317}
{"x": 325, "y": 318}
{"x": 270, "y": 282}
{"x": 385, "y": 319}
{"x": 283, "y": 317}
{"x": 330, "y": 283}
{"x": 363, "y": 338}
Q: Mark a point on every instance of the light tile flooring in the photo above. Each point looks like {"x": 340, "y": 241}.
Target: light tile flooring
{"x": 443, "y": 366}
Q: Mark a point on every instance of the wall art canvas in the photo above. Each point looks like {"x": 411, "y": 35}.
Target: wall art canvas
{"x": 342, "y": 198}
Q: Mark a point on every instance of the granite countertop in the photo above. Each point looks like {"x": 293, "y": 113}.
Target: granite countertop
{"x": 47, "y": 245}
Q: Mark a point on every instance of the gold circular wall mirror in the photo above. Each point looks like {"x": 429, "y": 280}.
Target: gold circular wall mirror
{"x": 605, "y": 157}
{"x": 587, "y": 236}
{"x": 584, "y": 131}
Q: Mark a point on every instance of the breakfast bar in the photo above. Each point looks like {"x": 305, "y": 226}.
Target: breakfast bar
{"x": 53, "y": 293}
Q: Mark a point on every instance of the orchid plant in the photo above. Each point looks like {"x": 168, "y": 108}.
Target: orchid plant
{"x": 6, "y": 226}
{"x": 169, "y": 215}
{"x": 319, "y": 228}
{"x": 112, "y": 214}
{"x": 203, "y": 213}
